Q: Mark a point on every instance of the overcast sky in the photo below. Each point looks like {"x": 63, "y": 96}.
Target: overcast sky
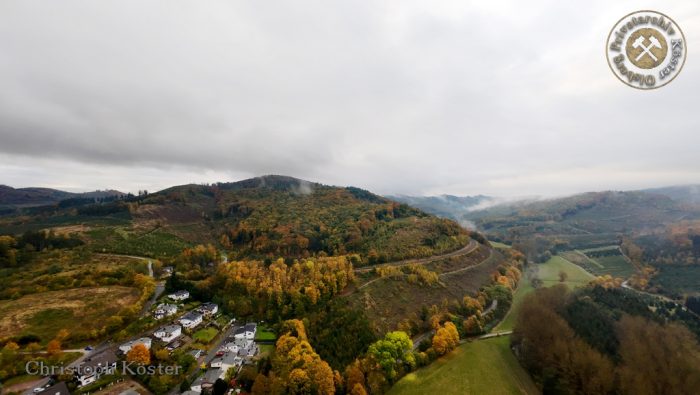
{"x": 504, "y": 98}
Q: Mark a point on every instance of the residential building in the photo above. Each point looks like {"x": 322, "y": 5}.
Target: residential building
{"x": 251, "y": 329}
{"x": 95, "y": 367}
{"x": 179, "y": 295}
{"x": 226, "y": 361}
{"x": 191, "y": 319}
{"x": 208, "y": 309}
{"x": 168, "y": 333}
{"x": 164, "y": 310}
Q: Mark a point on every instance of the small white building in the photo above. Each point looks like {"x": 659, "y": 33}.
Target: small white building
{"x": 246, "y": 332}
{"x": 94, "y": 367}
{"x": 237, "y": 345}
{"x": 208, "y": 309}
{"x": 191, "y": 319}
{"x": 126, "y": 347}
{"x": 179, "y": 295}
{"x": 226, "y": 361}
{"x": 164, "y": 310}
{"x": 168, "y": 333}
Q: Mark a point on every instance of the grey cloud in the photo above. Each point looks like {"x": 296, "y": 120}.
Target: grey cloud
{"x": 501, "y": 98}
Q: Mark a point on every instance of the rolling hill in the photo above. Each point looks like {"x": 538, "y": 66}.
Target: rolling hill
{"x": 268, "y": 216}
{"x": 612, "y": 232}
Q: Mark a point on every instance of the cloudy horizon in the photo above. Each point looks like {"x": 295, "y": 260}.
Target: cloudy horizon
{"x": 418, "y": 98}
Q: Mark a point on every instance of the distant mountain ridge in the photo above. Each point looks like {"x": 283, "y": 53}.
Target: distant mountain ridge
{"x": 28, "y": 197}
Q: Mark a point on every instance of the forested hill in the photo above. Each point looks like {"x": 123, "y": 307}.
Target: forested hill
{"x": 28, "y": 197}
{"x": 262, "y": 217}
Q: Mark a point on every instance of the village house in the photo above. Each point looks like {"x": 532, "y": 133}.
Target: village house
{"x": 208, "y": 309}
{"x": 191, "y": 319}
{"x": 164, "y": 310}
{"x": 168, "y": 333}
{"x": 246, "y": 332}
{"x": 94, "y": 367}
{"x": 226, "y": 361}
{"x": 237, "y": 345}
{"x": 179, "y": 295}
{"x": 126, "y": 347}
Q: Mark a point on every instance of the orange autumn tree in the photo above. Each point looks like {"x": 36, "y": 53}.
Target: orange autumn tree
{"x": 296, "y": 368}
{"x": 139, "y": 354}
{"x": 54, "y": 347}
{"x": 446, "y": 338}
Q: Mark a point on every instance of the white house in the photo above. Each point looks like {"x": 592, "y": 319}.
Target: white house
{"x": 95, "y": 367}
{"x": 208, "y": 309}
{"x": 164, "y": 310}
{"x": 191, "y": 319}
{"x": 179, "y": 295}
{"x": 237, "y": 346}
{"x": 226, "y": 361}
{"x": 126, "y": 347}
{"x": 168, "y": 333}
{"x": 246, "y": 332}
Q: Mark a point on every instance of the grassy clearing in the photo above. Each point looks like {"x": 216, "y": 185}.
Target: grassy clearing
{"x": 508, "y": 322}
{"x": 205, "y": 335}
{"x": 549, "y": 271}
{"x": 266, "y": 349}
{"x": 264, "y": 335}
{"x": 77, "y": 310}
{"x": 478, "y": 367}
{"x": 549, "y": 274}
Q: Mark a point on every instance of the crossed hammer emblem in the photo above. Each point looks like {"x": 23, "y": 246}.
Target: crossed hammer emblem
{"x": 646, "y": 50}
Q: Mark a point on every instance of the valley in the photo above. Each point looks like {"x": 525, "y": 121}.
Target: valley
{"x": 369, "y": 294}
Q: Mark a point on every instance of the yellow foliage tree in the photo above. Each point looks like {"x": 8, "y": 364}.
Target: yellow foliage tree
{"x": 446, "y": 339}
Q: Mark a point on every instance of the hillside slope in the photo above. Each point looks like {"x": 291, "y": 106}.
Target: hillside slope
{"x": 268, "y": 216}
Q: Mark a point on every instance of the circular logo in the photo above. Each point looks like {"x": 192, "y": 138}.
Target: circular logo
{"x": 646, "y": 49}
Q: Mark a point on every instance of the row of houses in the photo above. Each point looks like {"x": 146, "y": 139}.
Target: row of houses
{"x": 94, "y": 367}
{"x": 232, "y": 354}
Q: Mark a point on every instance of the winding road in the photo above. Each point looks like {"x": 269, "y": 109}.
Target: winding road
{"x": 468, "y": 249}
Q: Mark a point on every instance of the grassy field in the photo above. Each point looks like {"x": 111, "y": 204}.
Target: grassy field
{"x": 548, "y": 272}
{"x": 205, "y": 335}
{"x": 508, "y": 322}
{"x": 265, "y": 335}
{"x": 77, "y": 310}
{"x": 478, "y": 367}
